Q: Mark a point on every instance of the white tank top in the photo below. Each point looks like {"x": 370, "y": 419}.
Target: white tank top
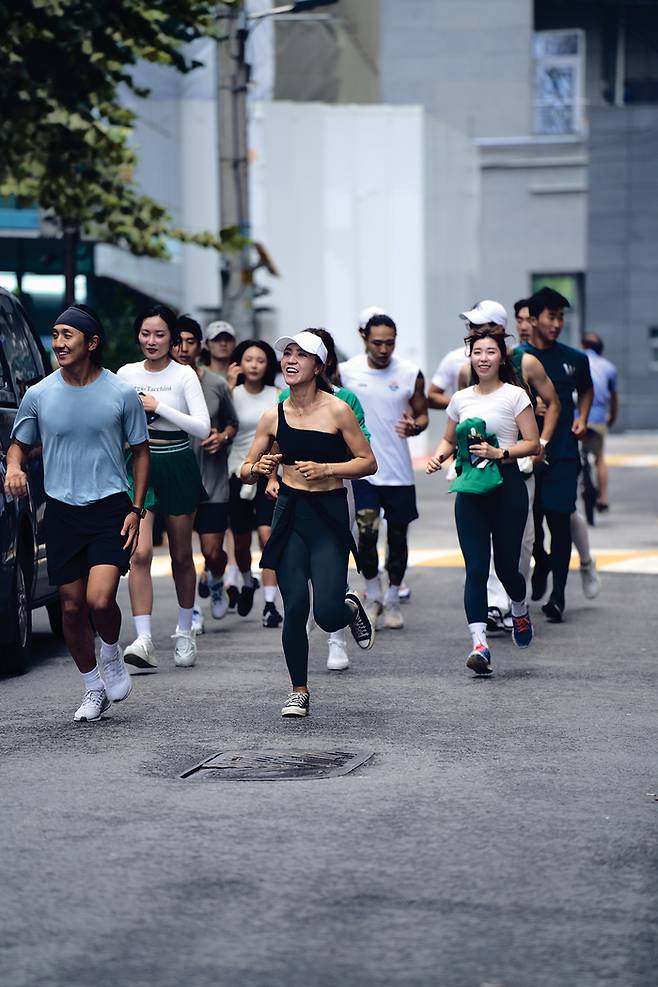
{"x": 249, "y": 408}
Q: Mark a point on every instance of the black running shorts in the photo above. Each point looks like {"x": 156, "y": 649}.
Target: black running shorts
{"x": 78, "y": 538}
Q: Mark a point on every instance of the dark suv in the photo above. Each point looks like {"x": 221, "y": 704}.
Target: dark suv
{"x": 23, "y": 577}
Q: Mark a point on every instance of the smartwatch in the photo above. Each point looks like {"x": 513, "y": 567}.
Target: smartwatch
{"x": 139, "y": 511}
{"x": 505, "y": 453}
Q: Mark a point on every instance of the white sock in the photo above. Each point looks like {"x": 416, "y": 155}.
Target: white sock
{"x": 392, "y": 594}
{"x": 107, "y": 650}
{"x": 185, "y": 618}
{"x": 247, "y": 579}
{"x": 232, "y": 573}
{"x": 519, "y": 609}
{"x": 478, "y": 633}
{"x": 338, "y": 637}
{"x": 143, "y": 625}
{"x": 93, "y": 680}
{"x": 374, "y": 588}
{"x": 580, "y": 538}
{"x": 269, "y": 592}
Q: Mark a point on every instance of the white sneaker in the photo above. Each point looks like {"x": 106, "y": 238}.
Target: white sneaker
{"x": 591, "y": 580}
{"x": 116, "y": 679}
{"x": 393, "y": 619}
{"x": 374, "y": 609}
{"x": 219, "y": 605}
{"x": 141, "y": 653}
{"x": 185, "y": 649}
{"x": 404, "y": 593}
{"x": 337, "y": 660}
{"x": 93, "y": 706}
{"x": 198, "y": 622}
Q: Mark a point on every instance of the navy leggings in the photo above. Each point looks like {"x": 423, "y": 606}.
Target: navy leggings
{"x": 498, "y": 517}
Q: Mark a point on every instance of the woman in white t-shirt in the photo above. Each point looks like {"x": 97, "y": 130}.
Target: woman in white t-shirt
{"x": 498, "y": 516}
{"x": 175, "y": 409}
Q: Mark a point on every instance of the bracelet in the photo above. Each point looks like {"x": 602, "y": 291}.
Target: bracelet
{"x": 251, "y": 471}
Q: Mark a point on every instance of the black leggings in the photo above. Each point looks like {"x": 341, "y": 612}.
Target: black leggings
{"x": 313, "y": 552}
{"x": 559, "y": 525}
{"x": 499, "y": 517}
{"x": 397, "y": 553}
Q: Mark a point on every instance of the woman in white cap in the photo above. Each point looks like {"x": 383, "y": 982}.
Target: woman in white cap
{"x": 320, "y": 444}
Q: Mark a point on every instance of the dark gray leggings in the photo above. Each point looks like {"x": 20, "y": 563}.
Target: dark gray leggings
{"x": 498, "y": 517}
{"x": 313, "y": 552}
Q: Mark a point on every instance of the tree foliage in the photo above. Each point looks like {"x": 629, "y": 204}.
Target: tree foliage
{"x": 64, "y": 132}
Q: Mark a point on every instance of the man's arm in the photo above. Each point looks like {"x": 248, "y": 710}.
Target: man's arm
{"x": 585, "y": 399}
{"x": 418, "y": 420}
{"x": 614, "y": 409}
{"x": 16, "y": 477}
{"x": 538, "y": 379}
{"x": 141, "y": 468}
{"x": 437, "y": 398}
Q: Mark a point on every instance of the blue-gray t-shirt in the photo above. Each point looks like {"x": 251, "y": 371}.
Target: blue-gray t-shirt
{"x": 82, "y": 431}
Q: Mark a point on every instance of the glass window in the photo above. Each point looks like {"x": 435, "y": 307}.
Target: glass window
{"x": 16, "y": 347}
{"x": 558, "y": 95}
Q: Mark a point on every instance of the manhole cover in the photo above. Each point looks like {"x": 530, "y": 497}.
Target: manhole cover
{"x": 274, "y": 765}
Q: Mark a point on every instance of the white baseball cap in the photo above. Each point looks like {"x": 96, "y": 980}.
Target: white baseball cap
{"x": 214, "y": 329}
{"x": 306, "y": 341}
{"x": 367, "y": 314}
{"x": 486, "y": 311}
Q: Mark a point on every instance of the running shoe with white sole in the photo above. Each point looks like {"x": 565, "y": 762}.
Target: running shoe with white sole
{"x": 479, "y": 660}
{"x": 219, "y": 605}
{"x": 141, "y": 653}
{"x": 591, "y": 580}
{"x": 93, "y": 705}
{"x": 393, "y": 619}
{"x": 233, "y": 595}
{"x": 198, "y": 623}
{"x": 116, "y": 679}
{"x": 404, "y": 593}
{"x": 361, "y": 626}
{"x": 184, "y": 649}
{"x": 494, "y": 620}
{"x": 374, "y": 608}
{"x": 246, "y": 598}
{"x": 337, "y": 660}
{"x": 508, "y": 623}
{"x": 297, "y": 704}
{"x": 522, "y": 632}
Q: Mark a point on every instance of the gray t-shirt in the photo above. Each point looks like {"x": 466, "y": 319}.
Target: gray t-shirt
{"x": 83, "y": 431}
{"x": 222, "y": 413}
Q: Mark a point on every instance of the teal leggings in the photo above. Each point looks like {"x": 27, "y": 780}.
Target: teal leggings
{"x": 312, "y": 552}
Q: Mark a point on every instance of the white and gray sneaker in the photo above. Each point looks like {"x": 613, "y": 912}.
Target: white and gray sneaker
{"x": 117, "y": 681}
{"x": 198, "y": 621}
{"x": 297, "y": 704}
{"x": 393, "y": 619}
{"x": 94, "y": 704}
{"x": 141, "y": 653}
{"x": 374, "y": 608}
{"x": 219, "y": 605}
{"x": 590, "y": 579}
{"x": 337, "y": 660}
{"x": 185, "y": 648}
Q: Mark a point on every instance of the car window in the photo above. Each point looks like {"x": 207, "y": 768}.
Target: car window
{"x": 7, "y": 396}
{"x": 18, "y": 356}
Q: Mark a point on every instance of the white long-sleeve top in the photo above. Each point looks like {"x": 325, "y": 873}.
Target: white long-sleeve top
{"x": 180, "y": 400}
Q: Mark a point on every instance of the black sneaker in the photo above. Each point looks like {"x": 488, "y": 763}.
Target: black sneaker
{"x": 246, "y": 600}
{"x": 539, "y": 580}
{"x": 553, "y": 612}
{"x": 271, "y": 616}
{"x": 362, "y": 630}
{"x": 297, "y": 704}
{"x": 494, "y": 620}
{"x": 233, "y": 594}
{"x": 204, "y": 586}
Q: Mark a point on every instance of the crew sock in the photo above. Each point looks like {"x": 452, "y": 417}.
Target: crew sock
{"x": 232, "y": 573}
{"x": 185, "y": 618}
{"x": 478, "y": 634}
{"x": 392, "y": 594}
{"x": 93, "y": 680}
{"x": 269, "y": 592}
{"x": 108, "y": 650}
{"x": 143, "y": 625}
{"x": 519, "y": 609}
{"x": 374, "y": 588}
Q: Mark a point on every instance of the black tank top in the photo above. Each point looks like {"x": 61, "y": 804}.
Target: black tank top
{"x": 308, "y": 444}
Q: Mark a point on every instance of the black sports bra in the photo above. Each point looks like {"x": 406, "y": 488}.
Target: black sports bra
{"x": 308, "y": 444}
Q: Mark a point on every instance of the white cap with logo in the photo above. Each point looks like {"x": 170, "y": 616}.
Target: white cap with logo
{"x": 214, "y": 329}
{"x": 306, "y": 341}
{"x": 484, "y": 312}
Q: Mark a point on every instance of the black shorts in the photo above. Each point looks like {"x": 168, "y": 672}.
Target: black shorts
{"x": 211, "y": 519}
{"x": 78, "y": 538}
{"x": 248, "y": 515}
{"x": 398, "y": 503}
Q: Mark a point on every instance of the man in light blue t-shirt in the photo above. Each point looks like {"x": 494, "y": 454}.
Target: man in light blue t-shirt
{"x": 83, "y": 415}
{"x": 605, "y": 408}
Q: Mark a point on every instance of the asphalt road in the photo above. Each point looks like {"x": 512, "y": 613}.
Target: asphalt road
{"x": 505, "y": 832}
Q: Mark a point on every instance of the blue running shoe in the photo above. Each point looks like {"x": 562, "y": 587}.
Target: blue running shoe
{"x": 522, "y": 630}
{"x": 479, "y": 660}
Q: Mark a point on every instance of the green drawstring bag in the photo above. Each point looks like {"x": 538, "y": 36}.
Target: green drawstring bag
{"x": 479, "y": 477}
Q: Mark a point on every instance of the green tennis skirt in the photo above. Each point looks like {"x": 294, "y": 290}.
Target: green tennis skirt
{"x": 175, "y": 485}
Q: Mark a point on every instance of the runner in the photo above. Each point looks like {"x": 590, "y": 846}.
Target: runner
{"x": 445, "y": 381}
{"x": 392, "y": 393}
{"x": 251, "y": 379}
{"x": 605, "y": 408}
{"x": 82, "y": 415}
{"x": 320, "y": 445}
{"x": 337, "y": 659}
{"x": 218, "y": 346}
{"x": 494, "y": 410}
{"x": 173, "y": 400}
{"x": 211, "y": 519}
{"x": 557, "y": 479}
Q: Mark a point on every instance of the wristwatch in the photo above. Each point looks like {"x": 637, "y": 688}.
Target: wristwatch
{"x": 139, "y": 511}
{"x": 505, "y": 454}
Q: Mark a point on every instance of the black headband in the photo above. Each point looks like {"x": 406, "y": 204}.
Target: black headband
{"x": 85, "y": 322}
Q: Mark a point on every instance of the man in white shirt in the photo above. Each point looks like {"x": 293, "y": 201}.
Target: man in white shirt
{"x": 392, "y": 393}
{"x": 444, "y": 383}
